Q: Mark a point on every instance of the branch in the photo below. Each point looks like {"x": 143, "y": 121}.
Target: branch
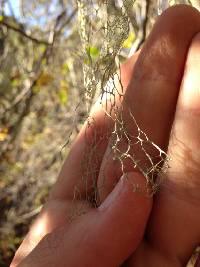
{"x": 15, "y": 127}
{"x": 57, "y": 30}
{"x": 144, "y": 25}
{"x": 64, "y": 24}
{"x": 11, "y": 9}
{"x": 29, "y": 93}
{"x": 20, "y": 31}
{"x": 142, "y": 33}
{"x": 69, "y": 19}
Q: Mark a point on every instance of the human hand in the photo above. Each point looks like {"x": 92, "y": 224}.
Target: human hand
{"x": 161, "y": 69}
{"x": 173, "y": 231}
{"x": 103, "y": 236}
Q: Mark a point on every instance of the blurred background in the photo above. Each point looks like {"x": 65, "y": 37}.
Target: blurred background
{"x": 42, "y": 96}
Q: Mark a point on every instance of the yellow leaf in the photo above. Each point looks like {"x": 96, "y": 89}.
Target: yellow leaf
{"x": 129, "y": 41}
{"x": 42, "y": 48}
{"x": 65, "y": 68}
{"x": 63, "y": 96}
{"x": 3, "y": 134}
{"x": 45, "y": 79}
{"x": 63, "y": 92}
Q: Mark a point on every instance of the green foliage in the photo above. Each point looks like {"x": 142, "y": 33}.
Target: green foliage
{"x": 65, "y": 68}
{"x": 93, "y": 52}
{"x": 63, "y": 96}
{"x": 129, "y": 41}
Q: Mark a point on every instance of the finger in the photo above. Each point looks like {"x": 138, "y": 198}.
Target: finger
{"x": 103, "y": 237}
{"x": 60, "y": 206}
{"x": 152, "y": 93}
{"x": 55, "y": 213}
{"x": 175, "y": 220}
{"x": 94, "y": 133}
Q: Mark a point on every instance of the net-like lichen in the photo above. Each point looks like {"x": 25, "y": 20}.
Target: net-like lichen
{"x": 104, "y": 27}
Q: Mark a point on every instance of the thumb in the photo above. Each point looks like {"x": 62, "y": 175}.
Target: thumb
{"x": 103, "y": 237}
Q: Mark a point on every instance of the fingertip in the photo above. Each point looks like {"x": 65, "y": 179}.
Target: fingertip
{"x": 131, "y": 189}
{"x": 171, "y": 37}
{"x": 124, "y": 214}
{"x": 180, "y": 9}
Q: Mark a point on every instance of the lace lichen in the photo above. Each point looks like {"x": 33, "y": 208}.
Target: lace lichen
{"x": 108, "y": 22}
{"x": 104, "y": 27}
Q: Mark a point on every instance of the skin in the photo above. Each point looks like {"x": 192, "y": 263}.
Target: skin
{"x": 164, "y": 79}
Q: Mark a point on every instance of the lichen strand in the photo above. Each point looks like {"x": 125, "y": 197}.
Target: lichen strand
{"x": 112, "y": 28}
{"x": 104, "y": 26}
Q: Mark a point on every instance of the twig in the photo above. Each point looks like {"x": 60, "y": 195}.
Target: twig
{"x": 30, "y": 214}
{"x": 143, "y": 31}
{"x": 11, "y": 8}
{"x": 18, "y": 99}
{"x": 64, "y": 24}
{"x": 16, "y": 126}
{"x": 28, "y": 36}
{"x": 29, "y": 92}
{"x": 132, "y": 18}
